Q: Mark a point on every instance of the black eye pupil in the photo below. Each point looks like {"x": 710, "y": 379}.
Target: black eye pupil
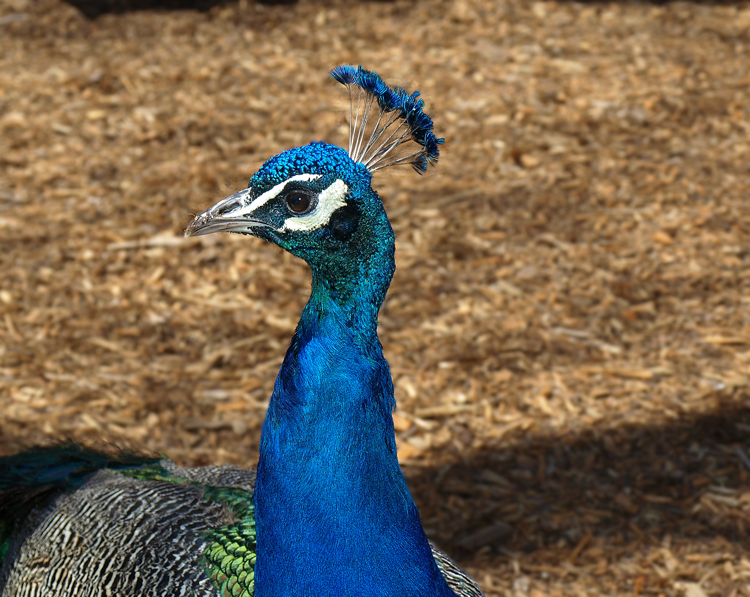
{"x": 298, "y": 202}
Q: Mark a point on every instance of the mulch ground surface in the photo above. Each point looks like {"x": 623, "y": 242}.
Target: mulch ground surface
{"x": 569, "y": 325}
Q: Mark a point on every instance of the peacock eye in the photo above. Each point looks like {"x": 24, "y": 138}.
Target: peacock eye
{"x": 298, "y": 202}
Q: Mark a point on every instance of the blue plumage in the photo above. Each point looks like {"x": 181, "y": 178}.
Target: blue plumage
{"x": 329, "y": 513}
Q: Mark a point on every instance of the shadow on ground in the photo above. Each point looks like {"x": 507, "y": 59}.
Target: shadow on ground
{"x": 92, "y": 9}
{"x": 617, "y": 485}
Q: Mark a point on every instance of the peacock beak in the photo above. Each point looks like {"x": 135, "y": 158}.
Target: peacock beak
{"x": 228, "y": 215}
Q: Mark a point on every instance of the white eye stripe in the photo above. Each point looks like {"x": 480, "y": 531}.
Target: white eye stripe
{"x": 272, "y": 193}
{"x": 329, "y": 200}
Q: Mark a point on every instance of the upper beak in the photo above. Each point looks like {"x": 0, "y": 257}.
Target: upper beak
{"x": 226, "y": 216}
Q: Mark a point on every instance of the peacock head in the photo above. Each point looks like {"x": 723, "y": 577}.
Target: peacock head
{"x": 317, "y": 201}
{"x": 308, "y": 200}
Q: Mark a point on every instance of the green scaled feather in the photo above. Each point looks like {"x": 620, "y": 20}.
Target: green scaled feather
{"x": 152, "y": 472}
{"x": 229, "y": 558}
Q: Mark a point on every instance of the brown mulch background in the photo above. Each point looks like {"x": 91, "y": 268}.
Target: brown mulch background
{"x": 569, "y": 325}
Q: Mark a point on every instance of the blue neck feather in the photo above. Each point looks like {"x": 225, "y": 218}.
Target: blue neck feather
{"x": 334, "y": 515}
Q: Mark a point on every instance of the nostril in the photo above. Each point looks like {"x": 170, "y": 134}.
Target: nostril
{"x": 225, "y": 207}
{"x": 230, "y": 204}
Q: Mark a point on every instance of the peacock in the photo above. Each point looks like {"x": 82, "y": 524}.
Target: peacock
{"x": 327, "y": 511}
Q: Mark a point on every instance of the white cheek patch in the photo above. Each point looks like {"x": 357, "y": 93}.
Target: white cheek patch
{"x": 329, "y": 200}
{"x": 272, "y": 193}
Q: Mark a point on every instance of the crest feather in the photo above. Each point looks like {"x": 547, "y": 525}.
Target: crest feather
{"x": 400, "y": 119}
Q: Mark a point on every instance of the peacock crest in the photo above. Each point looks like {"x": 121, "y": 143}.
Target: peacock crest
{"x": 383, "y": 136}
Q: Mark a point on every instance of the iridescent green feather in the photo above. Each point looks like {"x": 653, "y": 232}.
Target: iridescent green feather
{"x": 152, "y": 472}
{"x": 229, "y": 558}
{"x": 4, "y": 540}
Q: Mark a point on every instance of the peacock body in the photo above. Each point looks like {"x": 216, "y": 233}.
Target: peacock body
{"x": 328, "y": 511}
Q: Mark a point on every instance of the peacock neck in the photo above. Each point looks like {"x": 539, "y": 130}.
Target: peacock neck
{"x": 333, "y": 513}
